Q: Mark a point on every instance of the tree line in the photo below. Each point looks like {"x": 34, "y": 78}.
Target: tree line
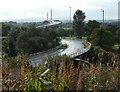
{"x": 27, "y": 39}
{"x": 104, "y": 36}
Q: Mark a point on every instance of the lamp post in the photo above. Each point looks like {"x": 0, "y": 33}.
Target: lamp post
{"x": 119, "y": 14}
{"x": 47, "y": 15}
{"x": 103, "y": 15}
{"x": 70, "y": 18}
{"x": 70, "y": 14}
{"x": 51, "y": 14}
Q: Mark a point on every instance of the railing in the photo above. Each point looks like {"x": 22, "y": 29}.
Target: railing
{"x": 80, "y": 52}
{"x": 44, "y": 52}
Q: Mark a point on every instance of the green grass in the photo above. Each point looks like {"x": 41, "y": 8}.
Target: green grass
{"x": 63, "y": 46}
{"x": 86, "y": 44}
{"x": 67, "y": 28}
{"x": 84, "y": 37}
{"x": 72, "y": 38}
{"x": 0, "y": 56}
{"x": 117, "y": 45}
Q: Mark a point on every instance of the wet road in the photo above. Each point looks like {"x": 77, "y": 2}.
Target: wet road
{"x": 75, "y": 47}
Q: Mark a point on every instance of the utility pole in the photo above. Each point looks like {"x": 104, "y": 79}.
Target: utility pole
{"x": 119, "y": 14}
{"x": 70, "y": 19}
{"x": 103, "y": 15}
{"x": 47, "y": 15}
{"x": 51, "y": 14}
{"x": 70, "y": 14}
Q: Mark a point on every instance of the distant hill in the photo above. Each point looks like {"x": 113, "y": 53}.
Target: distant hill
{"x": 106, "y": 21}
{"x": 42, "y": 19}
{"x": 23, "y": 20}
{"x": 109, "y": 21}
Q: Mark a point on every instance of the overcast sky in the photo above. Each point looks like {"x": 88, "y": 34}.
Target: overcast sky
{"x": 22, "y": 9}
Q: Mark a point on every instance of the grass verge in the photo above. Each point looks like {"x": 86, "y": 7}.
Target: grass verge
{"x": 63, "y": 46}
{"x": 86, "y": 44}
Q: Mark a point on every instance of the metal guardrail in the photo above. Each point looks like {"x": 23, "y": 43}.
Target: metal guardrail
{"x": 79, "y": 53}
{"x": 44, "y": 52}
{"x": 82, "y": 60}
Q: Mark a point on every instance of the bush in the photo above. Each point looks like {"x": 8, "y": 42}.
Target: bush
{"x": 86, "y": 44}
{"x": 64, "y": 46}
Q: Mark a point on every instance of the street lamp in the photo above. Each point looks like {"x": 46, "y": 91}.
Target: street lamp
{"x": 51, "y": 14}
{"x": 70, "y": 18}
{"x": 47, "y": 15}
{"x": 70, "y": 14}
{"x": 103, "y": 15}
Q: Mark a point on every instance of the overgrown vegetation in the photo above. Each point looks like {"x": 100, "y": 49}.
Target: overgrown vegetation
{"x": 27, "y": 39}
{"x": 67, "y": 76}
{"x": 64, "y": 74}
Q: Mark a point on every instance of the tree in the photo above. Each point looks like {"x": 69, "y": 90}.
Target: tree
{"x": 115, "y": 32}
{"x": 9, "y": 43}
{"x": 86, "y": 30}
{"x": 78, "y": 22}
{"x": 92, "y": 24}
{"x": 36, "y": 40}
{"x": 28, "y": 39}
{"x": 112, "y": 28}
{"x": 5, "y": 29}
{"x": 102, "y": 37}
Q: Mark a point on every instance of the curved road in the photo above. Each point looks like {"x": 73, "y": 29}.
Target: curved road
{"x": 75, "y": 47}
